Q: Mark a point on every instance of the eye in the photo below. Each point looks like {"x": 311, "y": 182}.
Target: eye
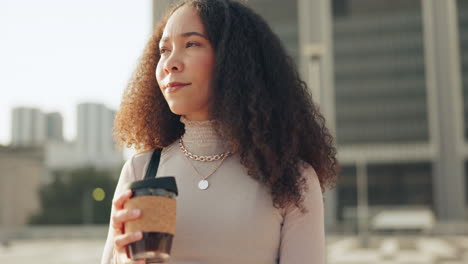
{"x": 162, "y": 50}
{"x": 191, "y": 44}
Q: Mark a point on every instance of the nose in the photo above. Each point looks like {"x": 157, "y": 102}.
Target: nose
{"x": 173, "y": 64}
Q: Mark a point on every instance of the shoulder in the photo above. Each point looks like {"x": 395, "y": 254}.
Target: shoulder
{"x": 140, "y": 161}
{"x": 309, "y": 174}
{"x": 130, "y": 170}
{"x": 312, "y": 193}
{"x": 313, "y": 189}
{"x": 141, "y": 157}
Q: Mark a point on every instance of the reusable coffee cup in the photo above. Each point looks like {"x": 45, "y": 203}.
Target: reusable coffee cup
{"x": 156, "y": 198}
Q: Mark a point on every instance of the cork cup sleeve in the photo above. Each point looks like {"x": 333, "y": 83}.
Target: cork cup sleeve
{"x": 158, "y": 214}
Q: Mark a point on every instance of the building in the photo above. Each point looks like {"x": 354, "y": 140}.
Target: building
{"x": 59, "y": 153}
{"x": 94, "y": 142}
{"x": 399, "y": 96}
{"x": 62, "y": 155}
{"x": 28, "y": 127}
{"x": 391, "y": 78}
{"x": 32, "y": 127}
{"x": 94, "y": 145}
{"x": 54, "y": 123}
{"x": 22, "y": 170}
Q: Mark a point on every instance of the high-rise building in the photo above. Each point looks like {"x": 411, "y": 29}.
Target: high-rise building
{"x": 94, "y": 145}
{"x": 32, "y": 127}
{"x": 28, "y": 127}
{"x": 54, "y": 122}
{"x": 399, "y": 104}
{"x": 94, "y": 141}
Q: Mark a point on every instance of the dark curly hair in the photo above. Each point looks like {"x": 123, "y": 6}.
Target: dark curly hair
{"x": 261, "y": 105}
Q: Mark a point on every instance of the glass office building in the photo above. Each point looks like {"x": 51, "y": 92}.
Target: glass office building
{"x": 381, "y": 104}
{"x": 399, "y": 107}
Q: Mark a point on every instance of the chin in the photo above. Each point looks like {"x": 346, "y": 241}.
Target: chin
{"x": 184, "y": 108}
{"x": 178, "y": 110}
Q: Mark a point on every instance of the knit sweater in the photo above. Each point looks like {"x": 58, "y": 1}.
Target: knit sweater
{"x": 234, "y": 220}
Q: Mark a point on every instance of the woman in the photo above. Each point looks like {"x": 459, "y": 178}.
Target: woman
{"x": 214, "y": 80}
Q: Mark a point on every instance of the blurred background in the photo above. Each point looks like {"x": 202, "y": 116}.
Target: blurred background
{"x": 391, "y": 78}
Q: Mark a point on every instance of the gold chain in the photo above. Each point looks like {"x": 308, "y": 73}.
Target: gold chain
{"x": 201, "y": 158}
{"x": 206, "y": 177}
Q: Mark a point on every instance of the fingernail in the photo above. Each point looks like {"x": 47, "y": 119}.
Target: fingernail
{"x": 135, "y": 211}
{"x": 136, "y": 235}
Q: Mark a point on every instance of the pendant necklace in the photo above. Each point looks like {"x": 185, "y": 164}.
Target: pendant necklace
{"x": 203, "y": 184}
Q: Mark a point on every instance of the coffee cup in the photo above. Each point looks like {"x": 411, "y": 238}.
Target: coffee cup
{"x": 156, "y": 198}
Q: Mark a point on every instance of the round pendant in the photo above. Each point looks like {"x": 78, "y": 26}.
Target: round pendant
{"x": 203, "y": 185}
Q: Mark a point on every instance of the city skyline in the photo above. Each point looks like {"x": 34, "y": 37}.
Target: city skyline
{"x": 56, "y": 55}
{"x": 94, "y": 144}
{"x": 68, "y": 114}
{"x": 51, "y": 117}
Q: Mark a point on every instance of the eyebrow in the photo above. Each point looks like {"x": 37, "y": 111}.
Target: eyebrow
{"x": 186, "y": 35}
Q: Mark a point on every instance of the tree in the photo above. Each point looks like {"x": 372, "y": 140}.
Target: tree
{"x": 69, "y": 198}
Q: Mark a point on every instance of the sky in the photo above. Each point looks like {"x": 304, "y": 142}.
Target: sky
{"x": 55, "y": 54}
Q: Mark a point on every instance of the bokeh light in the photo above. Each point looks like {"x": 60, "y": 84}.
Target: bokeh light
{"x": 99, "y": 194}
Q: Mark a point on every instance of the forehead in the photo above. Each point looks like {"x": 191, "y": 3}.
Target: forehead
{"x": 184, "y": 19}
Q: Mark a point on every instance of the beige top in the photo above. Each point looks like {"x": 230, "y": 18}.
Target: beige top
{"x": 234, "y": 220}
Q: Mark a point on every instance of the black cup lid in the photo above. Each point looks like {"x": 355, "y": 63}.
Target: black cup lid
{"x": 167, "y": 183}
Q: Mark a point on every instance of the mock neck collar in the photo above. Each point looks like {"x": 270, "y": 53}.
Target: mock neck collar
{"x": 200, "y": 137}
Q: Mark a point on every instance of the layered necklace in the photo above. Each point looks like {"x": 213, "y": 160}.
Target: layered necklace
{"x": 203, "y": 184}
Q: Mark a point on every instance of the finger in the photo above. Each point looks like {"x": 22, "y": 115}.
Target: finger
{"x": 120, "y": 201}
{"x": 118, "y": 228}
{"x": 123, "y": 259}
{"x": 121, "y": 216}
{"x": 121, "y": 241}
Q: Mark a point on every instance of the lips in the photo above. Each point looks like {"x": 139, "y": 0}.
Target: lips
{"x": 174, "y": 86}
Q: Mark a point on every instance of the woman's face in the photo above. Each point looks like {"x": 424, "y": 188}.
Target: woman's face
{"x": 186, "y": 65}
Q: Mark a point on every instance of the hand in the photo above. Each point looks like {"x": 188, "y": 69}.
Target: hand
{"x": 121, "y": 240}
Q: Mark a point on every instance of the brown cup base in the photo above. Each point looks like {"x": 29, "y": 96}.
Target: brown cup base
{"x": 155, "y": 247}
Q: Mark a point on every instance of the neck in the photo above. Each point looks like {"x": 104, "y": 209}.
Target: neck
{"x": 200, "y": 116}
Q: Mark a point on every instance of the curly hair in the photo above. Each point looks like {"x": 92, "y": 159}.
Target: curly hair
{"x": 275, "y": 127}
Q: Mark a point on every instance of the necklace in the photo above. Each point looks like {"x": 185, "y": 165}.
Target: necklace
{"x": 203, "y": 183}
{"x": 201, "y": 158}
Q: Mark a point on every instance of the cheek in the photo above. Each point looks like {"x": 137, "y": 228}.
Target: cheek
{"x": 209, "y": 62}
{"x": 159, "y": 75}
{"x": 204, "y": 67}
